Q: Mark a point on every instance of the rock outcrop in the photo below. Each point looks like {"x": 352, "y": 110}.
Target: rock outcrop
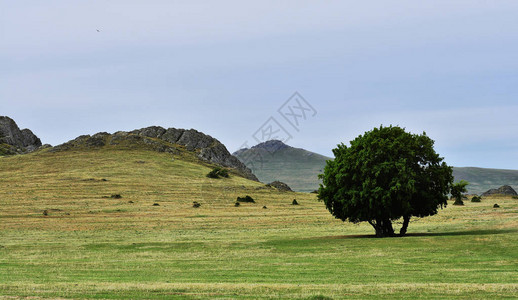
{"x": 15, "y": 140}
{"x": 503, "y": 190}
{"x": 281, "y": 186}
{"x": 160, "y": 139}
{"x": 207, "y": 147}
{"x": 271, "y": 146}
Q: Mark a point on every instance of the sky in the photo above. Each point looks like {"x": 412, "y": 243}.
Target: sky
{"x": 312, "y": 73}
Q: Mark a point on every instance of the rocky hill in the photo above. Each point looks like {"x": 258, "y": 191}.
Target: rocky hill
{"x": 503, "y": 190}
{"x": 159, "y": 139}
{"x": 275, "y": 161}
{"x": 13, "y": 140}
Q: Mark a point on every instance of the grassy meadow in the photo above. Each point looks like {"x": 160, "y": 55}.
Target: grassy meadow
{"x": 62, "y": 235}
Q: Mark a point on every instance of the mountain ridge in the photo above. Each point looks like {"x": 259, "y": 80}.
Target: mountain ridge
{"x": 267, "y": 167}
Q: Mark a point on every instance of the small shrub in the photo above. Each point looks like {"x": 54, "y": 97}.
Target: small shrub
{"x": 264, "y": 207}
{"x": 245, "y": 199}
{"x": 319, "y": 297}
{"x": 294, "y": 202}
{"x": 196, "y": 204}
{"x": 45, "y": 212}
{"x": 237, "y": 204}
{"x": 515, "y": 197}
{"x": 476, "y": 199}
{"x": 156, "y": 204}
{"x": 496, "y": 206}
{"x": 116, "y": 196}
{"x": 131, "y": 201}
{"x": 218, "y": 172}
{"x": 223, "y": 173}
{"x": 213, "y": 174}
{"x": 458, "y": 202}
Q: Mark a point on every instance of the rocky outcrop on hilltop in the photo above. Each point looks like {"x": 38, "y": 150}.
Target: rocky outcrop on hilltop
{"x": 503, "y": 190}
{"x": 160, "y": 139}
{"x": 271, "y": 146}
{"x": 207, "y": 147}
{"x": 13, "y": 140}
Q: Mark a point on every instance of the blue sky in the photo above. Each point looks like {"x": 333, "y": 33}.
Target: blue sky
{"x": 449, "y": 68}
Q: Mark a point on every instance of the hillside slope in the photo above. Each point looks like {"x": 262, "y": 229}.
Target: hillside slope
{"x": 75, "y": 184}
{"x": 274, "y": 160}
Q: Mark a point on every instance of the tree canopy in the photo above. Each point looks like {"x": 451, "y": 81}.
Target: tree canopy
{"x": 384, "y": 175}
{"x": 456, "y": 191}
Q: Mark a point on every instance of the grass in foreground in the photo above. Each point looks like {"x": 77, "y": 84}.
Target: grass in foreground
{"x": 92, "y": 246}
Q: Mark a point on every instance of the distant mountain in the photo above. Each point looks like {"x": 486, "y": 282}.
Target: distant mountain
{"x": 275, "y": 161}
{"x": 299, "y": 168}
{"x": 13, "y": 140}
{"x": 482, "y": 179}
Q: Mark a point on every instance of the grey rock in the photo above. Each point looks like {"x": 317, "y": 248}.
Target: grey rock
{"x": 172, "y": 135}
{"x": 22, "y": 140}
{"x": 97, "y": 140}
{"x": 281, "y": 186}
{"x": 503, "y": 190}
{"x": 152, "y": 132}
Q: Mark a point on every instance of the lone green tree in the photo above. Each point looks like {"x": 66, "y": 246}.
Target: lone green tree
{"x": 456, "y": 191}
{"x": 384, "y": 175}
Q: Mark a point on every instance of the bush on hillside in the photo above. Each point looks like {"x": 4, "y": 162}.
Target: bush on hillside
{"x": 245, "y": 199}
{"x": 218, "y": 172}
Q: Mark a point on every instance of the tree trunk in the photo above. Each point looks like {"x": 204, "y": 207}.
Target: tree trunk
{"x": 406, "y": 220}
{"x": 383, "y": 227}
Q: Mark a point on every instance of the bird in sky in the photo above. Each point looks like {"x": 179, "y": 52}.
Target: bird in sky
{"x": 98, "y": 30}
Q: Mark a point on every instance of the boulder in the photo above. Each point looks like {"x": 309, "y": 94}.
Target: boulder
{"x": 281, "y": 186}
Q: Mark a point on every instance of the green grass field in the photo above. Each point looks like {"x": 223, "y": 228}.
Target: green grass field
{"x": 90, "y": 245}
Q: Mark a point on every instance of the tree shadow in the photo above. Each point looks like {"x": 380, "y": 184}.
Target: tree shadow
{"x": 425, "y": 234}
